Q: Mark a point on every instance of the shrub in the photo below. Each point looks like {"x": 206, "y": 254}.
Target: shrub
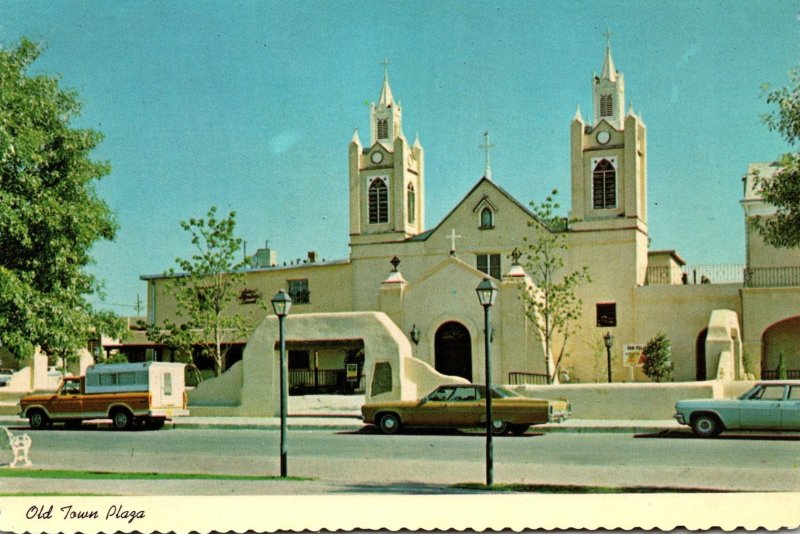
{"x": 657, "y": 361}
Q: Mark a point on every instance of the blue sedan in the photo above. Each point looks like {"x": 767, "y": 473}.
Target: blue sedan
{"x": 769, "y": 405}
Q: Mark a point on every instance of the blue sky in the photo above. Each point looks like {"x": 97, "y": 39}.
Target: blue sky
{"x": 250, "y": 106}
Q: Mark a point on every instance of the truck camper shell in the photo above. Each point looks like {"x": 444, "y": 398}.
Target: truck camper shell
{"x": 129, "y": 377}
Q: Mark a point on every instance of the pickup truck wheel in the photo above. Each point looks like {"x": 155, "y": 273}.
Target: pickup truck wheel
{"x": 389, "y": 423}
{"x": 37, "y": 419}
{"x": 122, "y": 419}
{"x": 155, "y": 424}
{"x": 706, "y": 426}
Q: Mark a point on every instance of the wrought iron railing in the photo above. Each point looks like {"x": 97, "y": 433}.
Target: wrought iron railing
{"x": 773, "y": 374}
{"x": 695, "y": 274}
{"x": 517, "y": 378}
{"x": 304, "y": 381}
{"x": 772, "y": 277}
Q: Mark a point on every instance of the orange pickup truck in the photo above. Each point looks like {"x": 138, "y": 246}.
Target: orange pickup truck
{"x": 127, "y": 393}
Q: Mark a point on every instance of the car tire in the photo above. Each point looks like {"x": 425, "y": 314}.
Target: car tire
{"x": 155, "y": 424}
{"x": 706, "y": 426}
{"x": 37, "y": 419}
{"x": 518, "y": 430}
{"x": 389, "y": 423}
{"x": 121, "y": 419}
{"x": 500, "y": 427}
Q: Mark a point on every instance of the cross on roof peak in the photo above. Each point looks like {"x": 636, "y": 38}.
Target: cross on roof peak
{"x": 452, "y": 237}
{"x": 487, "y": 172}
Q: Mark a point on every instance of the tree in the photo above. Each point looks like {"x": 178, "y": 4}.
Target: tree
{"x": 551, "y": 304}
{"x": 657, "y": 359}
{"x": 781, "y": 370}
{"x": 50, "y": 214}
{"x": 204, "y": 290}
{"x": 782, "y": 190}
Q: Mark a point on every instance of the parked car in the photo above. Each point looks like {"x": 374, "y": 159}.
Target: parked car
{"x": 5, "y": 376}
{"x": 769, "y": 405}
{"x": 464, "y": 405}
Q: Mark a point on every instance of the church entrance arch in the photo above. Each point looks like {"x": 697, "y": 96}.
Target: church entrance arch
{"x": 781, "y": 338}
{"x": 453, "y": 350}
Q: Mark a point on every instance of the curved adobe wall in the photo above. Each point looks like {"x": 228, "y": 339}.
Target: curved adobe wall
{"x": 385, "y": 345}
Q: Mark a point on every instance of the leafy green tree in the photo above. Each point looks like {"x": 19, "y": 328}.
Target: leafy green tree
{"x": 657, "y": 359}
{"x": 781, "y": 371}
{"x": 50, "y": 214}
{"x": 551, "y": 305}
{"x": 205, "y": 289}
{"x": 783, "y": 189}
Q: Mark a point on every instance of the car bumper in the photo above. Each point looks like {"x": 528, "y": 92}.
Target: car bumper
{"x": 168, "y": 412}
{"x": 679, "y": 417}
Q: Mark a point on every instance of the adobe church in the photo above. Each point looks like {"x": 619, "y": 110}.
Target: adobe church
{"x": 424, "y": 279}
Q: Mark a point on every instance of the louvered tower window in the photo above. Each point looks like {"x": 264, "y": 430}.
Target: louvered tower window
{"x": 411, "y": 201}
{"x": 383, "y": 128}
{"x": 606, "y": 106}
{"x": 378, "y": 202}
{"x": 604, "y": 185}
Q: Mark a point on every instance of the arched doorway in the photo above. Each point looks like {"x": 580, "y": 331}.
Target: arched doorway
{"x": 700, "y": 352}
{"x": 453, "y": 349}
{"x": 781, "y": 338}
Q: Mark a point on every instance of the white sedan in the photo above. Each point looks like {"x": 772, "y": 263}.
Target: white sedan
{"x": 769, "y": 405}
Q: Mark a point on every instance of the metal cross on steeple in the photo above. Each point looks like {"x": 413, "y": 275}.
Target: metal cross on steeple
{"x": 608, "y": 33}
{"x": 487, "y": 146}
{"x": 385, "y": 64}
{"x": 452, "y": 237}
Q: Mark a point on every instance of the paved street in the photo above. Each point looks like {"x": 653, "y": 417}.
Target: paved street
{"x": 365, "y": 461}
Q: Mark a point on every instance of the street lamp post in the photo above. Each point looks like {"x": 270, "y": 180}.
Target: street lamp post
{"x": 281, "y": 303}
{"x": 608, "y": 339}
{"x": 487, "y": 293}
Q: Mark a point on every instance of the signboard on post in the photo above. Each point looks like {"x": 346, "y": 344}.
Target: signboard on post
{"x": 633, "y": 355}
{"x": 352, "y": 370}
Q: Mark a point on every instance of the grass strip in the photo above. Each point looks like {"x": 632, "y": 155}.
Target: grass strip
{"x": 114, "y": 475}
{"x": 569, "y": 488}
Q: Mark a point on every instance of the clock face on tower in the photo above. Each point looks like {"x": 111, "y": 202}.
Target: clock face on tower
{"x": 377, "y": 157}
{"x": 603, "y": 137}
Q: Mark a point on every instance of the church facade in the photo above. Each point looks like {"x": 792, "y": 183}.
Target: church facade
{"x": 424, "y": 279}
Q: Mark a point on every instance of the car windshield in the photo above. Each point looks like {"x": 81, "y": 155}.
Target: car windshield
{"x": 749, "y": 393}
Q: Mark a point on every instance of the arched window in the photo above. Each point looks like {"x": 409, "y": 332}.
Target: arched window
{"x": 411, "y": 204}
{"x": 378, "y": 202}
{"x": 604, "y": 186}
{"x": 487, "y": 218}
{"x": 383, "y": 128}
{"x": 606, "y": 106}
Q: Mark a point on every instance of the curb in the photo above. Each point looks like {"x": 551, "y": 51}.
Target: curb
{"x": 293, "y": 423}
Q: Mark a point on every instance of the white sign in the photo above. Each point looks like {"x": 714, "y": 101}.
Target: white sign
{"x": 633, "y": 355}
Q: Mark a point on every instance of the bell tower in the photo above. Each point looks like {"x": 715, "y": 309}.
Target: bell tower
{"x": 609, "y": 158}
{"x": 387, "y": 184}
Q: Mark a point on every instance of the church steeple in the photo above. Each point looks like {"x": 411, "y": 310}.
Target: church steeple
{"x": 609, "y": 158}
{"x": 386, "y": 115}
{"x": 387, "y": 184}
{"x": 609, "y": 92}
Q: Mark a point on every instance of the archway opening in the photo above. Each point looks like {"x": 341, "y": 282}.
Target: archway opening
{"x": 700, "y": 353}
{"x": 453, "y": 350}
{"x": 781, "y": 338}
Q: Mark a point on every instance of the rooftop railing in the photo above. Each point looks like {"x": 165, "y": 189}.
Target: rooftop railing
{"x": 695, "y": 274}
{"x": 772, "y": 277}
{"x": 724, "y": 274}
